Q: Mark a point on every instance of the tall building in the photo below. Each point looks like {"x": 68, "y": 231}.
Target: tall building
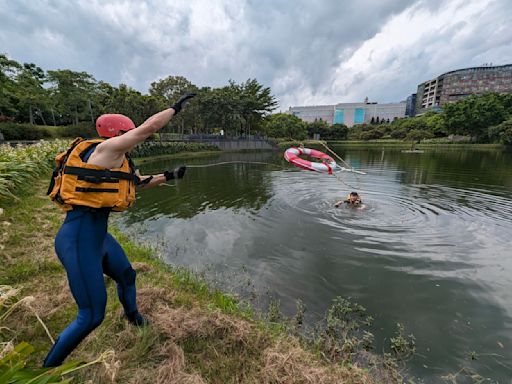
{"x": 410, "y": 105}
{"x": 350, "y": 114}
{"x": 455, "y": 85}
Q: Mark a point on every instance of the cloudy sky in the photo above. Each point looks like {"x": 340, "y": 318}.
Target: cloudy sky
{"x": 308, "y": 52}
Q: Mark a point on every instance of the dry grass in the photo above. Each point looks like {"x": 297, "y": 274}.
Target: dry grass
{"x": 287, "y": 362}
{"x": 190, "y": 340}
{"x": 172, "y": 369}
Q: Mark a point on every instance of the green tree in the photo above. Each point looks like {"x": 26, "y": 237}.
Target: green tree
{"x": 436, "y": 124}
{"x": 72, "y": 94}
{"x": 33, "y": 98}
{"x": 318, "y": 127}
{"x": 170, "y": 89}
{"x": 129, "y": 102}
{"x": 418, "y": 135}
{"x": 9, "y": 70}
{"x": 373, "y": 134}
{"x": 474, "y": 114}
{"x": 286, "y": 126}
{"x": 256, "y": 101}
{"x": 337, "y": 132}
{"x": 502, "y": 133}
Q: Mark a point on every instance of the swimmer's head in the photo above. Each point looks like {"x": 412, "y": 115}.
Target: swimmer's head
{"x": 353, "y": 197}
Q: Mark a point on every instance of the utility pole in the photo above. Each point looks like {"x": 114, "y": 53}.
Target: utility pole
{"x": 41, "y": 115}
{"x": 30, "y": 113}
{"x": 90, "y": 110}
{"x": 53, "y": 117}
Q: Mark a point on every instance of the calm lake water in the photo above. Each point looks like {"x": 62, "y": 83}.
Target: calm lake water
{"x": 432, "y": 250}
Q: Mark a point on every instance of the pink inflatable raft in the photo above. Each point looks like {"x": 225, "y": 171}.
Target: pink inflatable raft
{"x": 326, "y": 164}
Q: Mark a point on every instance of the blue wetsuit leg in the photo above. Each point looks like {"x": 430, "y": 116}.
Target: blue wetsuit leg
{"x": 79, "y": 246}
{"x": 117, "y": 266}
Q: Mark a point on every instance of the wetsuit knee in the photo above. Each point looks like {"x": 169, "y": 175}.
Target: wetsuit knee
{"x": 129, "y": 276}
{"x": 88, "y": 320}
{"x": 97, "y": 320}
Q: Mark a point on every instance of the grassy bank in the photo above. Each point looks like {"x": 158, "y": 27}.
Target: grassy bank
{"x": 399, "y": 144}
{"x": 197, "y": 335}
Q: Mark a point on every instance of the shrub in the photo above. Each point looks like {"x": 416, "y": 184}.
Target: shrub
{"x": 152, "y": 148}
{"x": 14, "y": 131}
{"x": 502, "y": 133}
{"x": 399, "y": 133}
{"x": 371, "y": 135}
{"x": 418, "y": 135}
{"x": 83, "y": 129}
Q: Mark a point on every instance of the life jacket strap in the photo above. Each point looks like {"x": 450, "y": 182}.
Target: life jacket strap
{"x": 59, "y": 166}
{"x": 98, "y": 176}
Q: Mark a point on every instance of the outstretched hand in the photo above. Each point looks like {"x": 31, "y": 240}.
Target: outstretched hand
{"x": 177, "y": 173}
{"x": 182, "y": 101}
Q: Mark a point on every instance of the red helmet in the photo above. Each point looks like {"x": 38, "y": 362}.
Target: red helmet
{"x": 110, "y": 125}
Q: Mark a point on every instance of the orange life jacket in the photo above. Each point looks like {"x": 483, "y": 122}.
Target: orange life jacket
{"x": 77, "y": 183}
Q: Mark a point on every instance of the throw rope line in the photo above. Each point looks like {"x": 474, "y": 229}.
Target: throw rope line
{"x": 233, "y": 162}
{"x": 337, "y": 171}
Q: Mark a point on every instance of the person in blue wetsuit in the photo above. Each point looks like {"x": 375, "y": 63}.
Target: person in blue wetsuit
{"x": 93, "y": 178}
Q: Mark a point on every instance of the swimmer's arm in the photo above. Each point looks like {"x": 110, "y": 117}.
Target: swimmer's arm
{"x": 338, "y": 203}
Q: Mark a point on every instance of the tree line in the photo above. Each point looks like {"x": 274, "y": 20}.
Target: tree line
{"x": 28, "y": 94}
{"x": 483, "y": 118}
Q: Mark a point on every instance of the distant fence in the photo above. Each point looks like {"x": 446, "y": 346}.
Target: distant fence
{"x": 14, "y": 143}
{"x": 223, "y": 142}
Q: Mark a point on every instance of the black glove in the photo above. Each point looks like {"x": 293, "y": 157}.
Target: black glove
{"x": 177, "y": 173}
{"x": 182, "y": 101}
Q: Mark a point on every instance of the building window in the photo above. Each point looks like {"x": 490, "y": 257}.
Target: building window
{"x": 359, "y": 116}
{"x": 339, "y": 117}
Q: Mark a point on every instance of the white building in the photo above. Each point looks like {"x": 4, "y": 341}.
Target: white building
{"x": 350, "y": 114}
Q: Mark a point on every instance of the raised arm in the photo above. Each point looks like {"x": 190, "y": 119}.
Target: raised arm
{"x": 119, "y": 145}
{"x": 110, "y": 153}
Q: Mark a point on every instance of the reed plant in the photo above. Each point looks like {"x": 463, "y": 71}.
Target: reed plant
{"x": 14, "y": 357}
{"x": 21, "y": 164}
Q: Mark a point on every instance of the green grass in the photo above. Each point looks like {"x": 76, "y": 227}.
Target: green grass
{"x": 391, "y": 143}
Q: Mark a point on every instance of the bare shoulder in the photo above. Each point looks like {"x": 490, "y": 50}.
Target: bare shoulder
{"x": 103, "y": 156}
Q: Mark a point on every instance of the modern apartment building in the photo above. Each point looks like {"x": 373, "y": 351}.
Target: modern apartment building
{"x": 455, "y": 85}
{"x": 350, "y": 114}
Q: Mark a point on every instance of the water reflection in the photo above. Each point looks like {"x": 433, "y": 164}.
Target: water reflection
{"x": 431, "y": 250}
{"x": 204, "y": 189}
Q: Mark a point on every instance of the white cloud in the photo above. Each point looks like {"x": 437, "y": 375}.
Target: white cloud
{"x": 419, "y": 44}
{"x": 308, "y": 52}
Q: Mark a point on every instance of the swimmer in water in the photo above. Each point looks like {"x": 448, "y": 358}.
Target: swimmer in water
{"x": 352, "y": 199}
